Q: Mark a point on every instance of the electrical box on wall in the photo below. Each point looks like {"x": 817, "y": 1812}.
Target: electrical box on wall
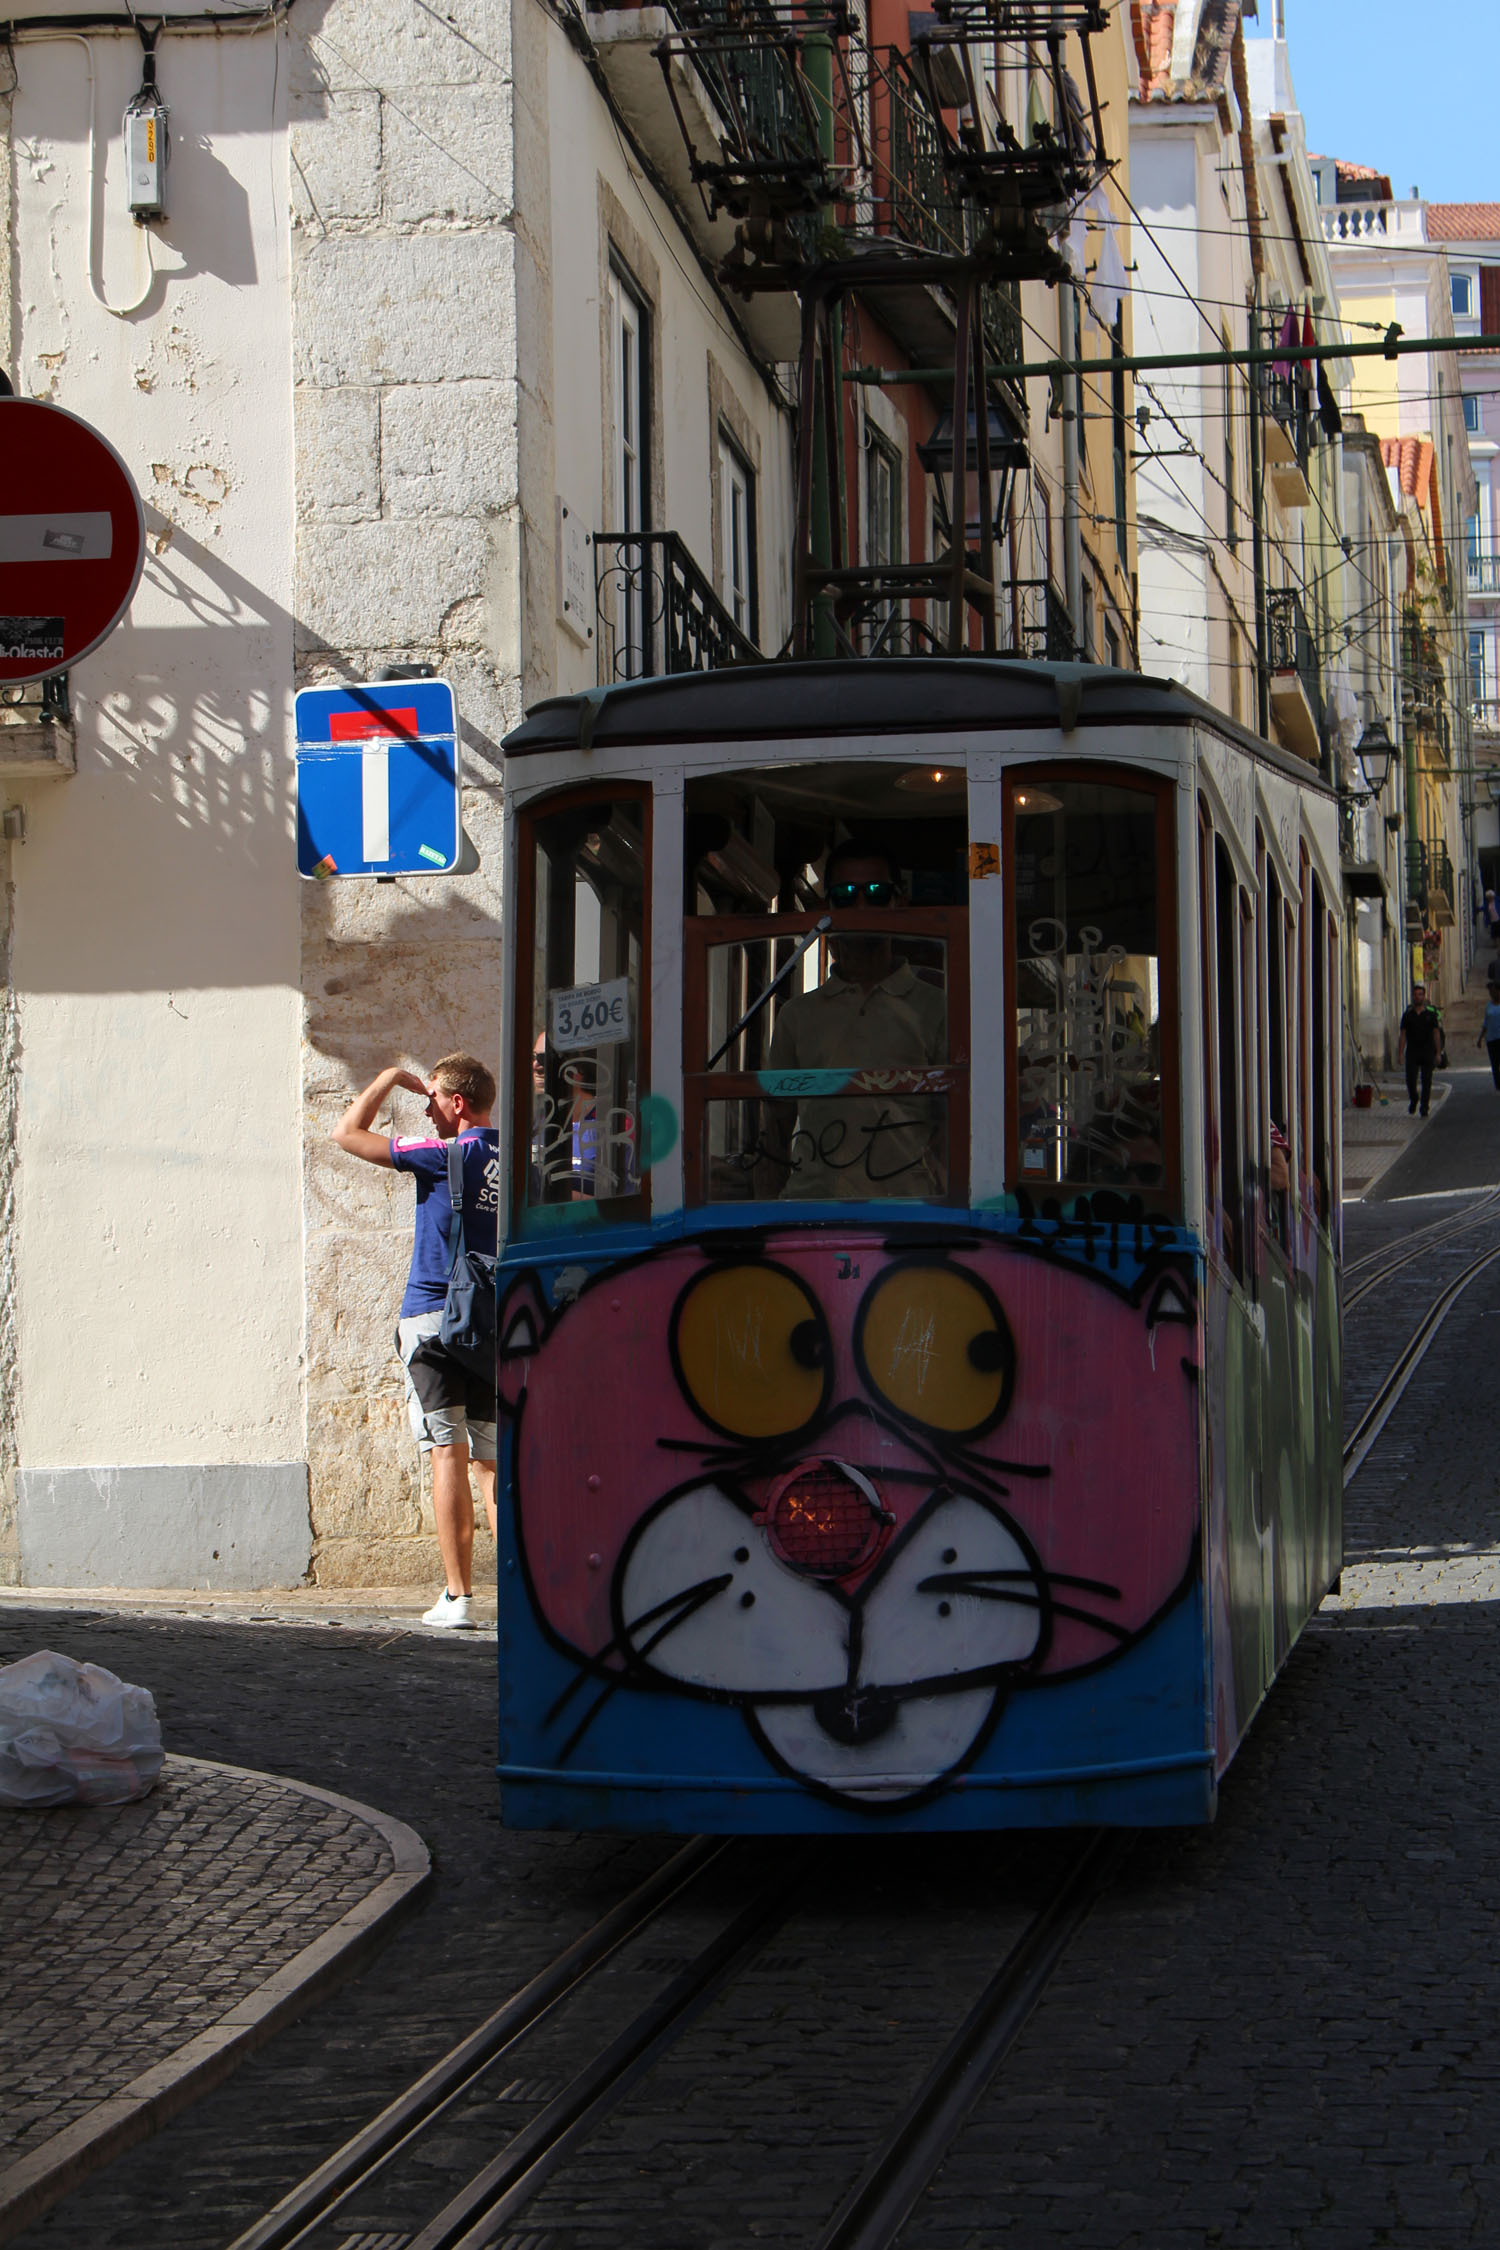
{"x": 146, "y": 157}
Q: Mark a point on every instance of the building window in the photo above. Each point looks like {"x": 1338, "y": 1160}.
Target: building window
{"x": 1111, "y": 646}
{"x": 1476, "y": 667}
{"x": 882, "y": 500}
{"x": 1471, "y": 410}
{"x": 883, "y": 525}
{"x": 1463, "y": 294}
{"x": 737, "y": 522}
{"x": 628, "y": 499}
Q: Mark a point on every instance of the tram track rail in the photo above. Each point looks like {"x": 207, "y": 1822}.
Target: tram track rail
{"x": 326, "y": 2207}
{"x": 319, "y": 2196}
{"x": 1366, "y": 1433}
{"x": 1379, "y": 1266}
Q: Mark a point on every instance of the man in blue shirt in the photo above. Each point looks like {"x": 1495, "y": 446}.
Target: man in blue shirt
{"x": 451, "y": 1411}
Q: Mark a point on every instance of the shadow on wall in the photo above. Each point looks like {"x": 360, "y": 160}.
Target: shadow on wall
{"x": 170, "y": 861}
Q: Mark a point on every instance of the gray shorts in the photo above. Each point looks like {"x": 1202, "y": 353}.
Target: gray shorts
{"x": 445, "y": 1403}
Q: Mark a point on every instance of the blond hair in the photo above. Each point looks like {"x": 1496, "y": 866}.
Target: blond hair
{"x": 466, "y": 1075}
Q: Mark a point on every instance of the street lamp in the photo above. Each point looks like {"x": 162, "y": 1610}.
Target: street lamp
{"x": 1376, "y": 752}
{"x": 1007, "y": 455}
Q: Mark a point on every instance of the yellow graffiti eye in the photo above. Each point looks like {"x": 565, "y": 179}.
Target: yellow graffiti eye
{"x": 750, "y": 1348}
{"x": 933, "y": 1342}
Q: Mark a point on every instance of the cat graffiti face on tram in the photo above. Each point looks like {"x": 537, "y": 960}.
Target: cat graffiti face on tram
{"x": 861, "y": 1493}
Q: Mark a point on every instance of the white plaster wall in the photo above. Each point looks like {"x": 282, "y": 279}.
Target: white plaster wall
{"x": 1178, "y": 596}
{"x": 158, "y": 1256}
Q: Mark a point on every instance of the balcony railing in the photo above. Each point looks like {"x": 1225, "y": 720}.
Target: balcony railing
{"x": 1483, "y": 573}
{"x": 1033, "y": 620}
{"x": 1290, "y": 646}
{"x": 656, "y": 611}
{"x": 36, "y": 703}
{"x": 1429, "y": 872}
{"x": 1288, "y": 434}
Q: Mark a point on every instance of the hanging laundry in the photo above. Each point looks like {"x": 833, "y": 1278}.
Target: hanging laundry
{"x": 1108, "y": 279}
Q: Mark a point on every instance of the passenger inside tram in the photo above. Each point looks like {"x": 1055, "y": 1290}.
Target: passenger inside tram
{"x": 826, "y": 982}
{"x": 871, "y": 1012}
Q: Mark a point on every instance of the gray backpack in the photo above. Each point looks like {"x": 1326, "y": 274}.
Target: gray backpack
{"x": 468, "y": 1325}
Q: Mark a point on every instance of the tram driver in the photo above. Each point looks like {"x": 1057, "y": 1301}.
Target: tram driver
{"x": 872, "y": 1012}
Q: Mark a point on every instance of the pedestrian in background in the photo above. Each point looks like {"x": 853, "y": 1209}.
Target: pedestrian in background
{"x": 1419, "y": 1045}
{"x": 451, "y": 1410}
{"x": 1489, "y": 1034}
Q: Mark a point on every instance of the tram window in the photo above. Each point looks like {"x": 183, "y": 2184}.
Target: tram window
{"x": 1320, "y": 1166}
{"x": 1303, "y": 972}
{"x": 1249, "y": 1043}
{"x": 1094, "y": 1058}
{"x": 825, "y": 985}
{"x": 1226, "y": 1010}
{"x": 1276, "y": 1004}
{"x": 1206, "y": 1001}
{"x": 579, "y": 1124}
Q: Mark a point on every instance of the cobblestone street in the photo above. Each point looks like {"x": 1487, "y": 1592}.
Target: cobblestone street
{"x": 1276, "y": 2033}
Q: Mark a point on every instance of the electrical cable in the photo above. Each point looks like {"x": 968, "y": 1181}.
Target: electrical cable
{"x": 96, "y": 288}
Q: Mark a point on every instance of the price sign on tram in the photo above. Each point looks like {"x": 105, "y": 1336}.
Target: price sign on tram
{"x": 72, "y": 539}
{"x": 589, "y": 1015}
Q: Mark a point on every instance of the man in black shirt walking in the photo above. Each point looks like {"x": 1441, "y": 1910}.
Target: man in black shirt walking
{"x": 1419, "y": 1044}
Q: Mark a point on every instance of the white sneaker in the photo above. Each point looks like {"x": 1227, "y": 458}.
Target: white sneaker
{"x": 448, "y": 1609}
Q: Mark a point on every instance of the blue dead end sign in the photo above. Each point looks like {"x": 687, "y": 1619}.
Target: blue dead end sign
{"x": 377, "y": 780}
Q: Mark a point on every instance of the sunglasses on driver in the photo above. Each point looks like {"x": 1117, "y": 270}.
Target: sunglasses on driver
{"x": 878, "y": 892}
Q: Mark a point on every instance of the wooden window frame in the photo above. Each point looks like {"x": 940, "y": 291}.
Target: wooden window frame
{"x": 626, "y": 1208}
{"x": 701, "y": 932}
{"x": 1169, "y": 1196}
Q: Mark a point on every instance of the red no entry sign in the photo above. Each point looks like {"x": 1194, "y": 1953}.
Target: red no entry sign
{"x": 72, "y": 539}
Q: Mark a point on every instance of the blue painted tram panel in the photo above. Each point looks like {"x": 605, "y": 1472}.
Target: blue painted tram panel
{"x": 919, "y": 1301}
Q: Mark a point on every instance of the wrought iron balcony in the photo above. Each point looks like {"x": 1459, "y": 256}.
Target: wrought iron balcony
{"x": 1483, "y": 572}
{"x": 1288, "y": 435}
{"x": 37, "y": 702}
{"x": 1292, "y": 657}
{"x": 1034, "y": 622}
{"x": 37, "y": 736}
{"x": 656, "y": 611}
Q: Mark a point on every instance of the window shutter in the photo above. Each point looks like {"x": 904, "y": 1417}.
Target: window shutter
{"x": 1489, "y": 300}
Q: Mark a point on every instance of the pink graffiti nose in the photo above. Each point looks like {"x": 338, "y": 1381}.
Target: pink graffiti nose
{"x": 825, "y": 1519}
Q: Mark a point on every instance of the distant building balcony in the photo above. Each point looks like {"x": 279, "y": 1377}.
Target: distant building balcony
{"x": 1485, "y": 712}
{"x": 1296, "y": 693}
{"x": 1287, "y": 425}
{"x": 657, "y": 613}
{"x": 1482, "y": 572}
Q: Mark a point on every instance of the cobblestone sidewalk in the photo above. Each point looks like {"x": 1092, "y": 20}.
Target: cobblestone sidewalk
{"x": 144, "y": 1946}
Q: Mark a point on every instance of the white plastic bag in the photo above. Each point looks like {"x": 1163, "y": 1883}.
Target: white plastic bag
{"x": 72, "y": 1734}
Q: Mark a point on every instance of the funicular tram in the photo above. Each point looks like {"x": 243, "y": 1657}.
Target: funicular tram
{"x": 919, "y": 1315}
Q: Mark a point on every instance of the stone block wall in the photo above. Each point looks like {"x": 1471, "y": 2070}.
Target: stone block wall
{"x": 406, "y": 386}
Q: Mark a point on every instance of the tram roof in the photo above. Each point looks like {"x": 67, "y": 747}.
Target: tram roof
{"x": 875, "y": 696}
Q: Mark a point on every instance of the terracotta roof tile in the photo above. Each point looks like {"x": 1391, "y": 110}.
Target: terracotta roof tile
{"x": 1411, "y": 458}
{"x": 1359, "y": 183}
{"x": 1463, "y": 222}
{"x": 1154, "y": 25}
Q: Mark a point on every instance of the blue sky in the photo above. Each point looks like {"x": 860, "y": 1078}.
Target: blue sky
{"x": 1406, "y": 85}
